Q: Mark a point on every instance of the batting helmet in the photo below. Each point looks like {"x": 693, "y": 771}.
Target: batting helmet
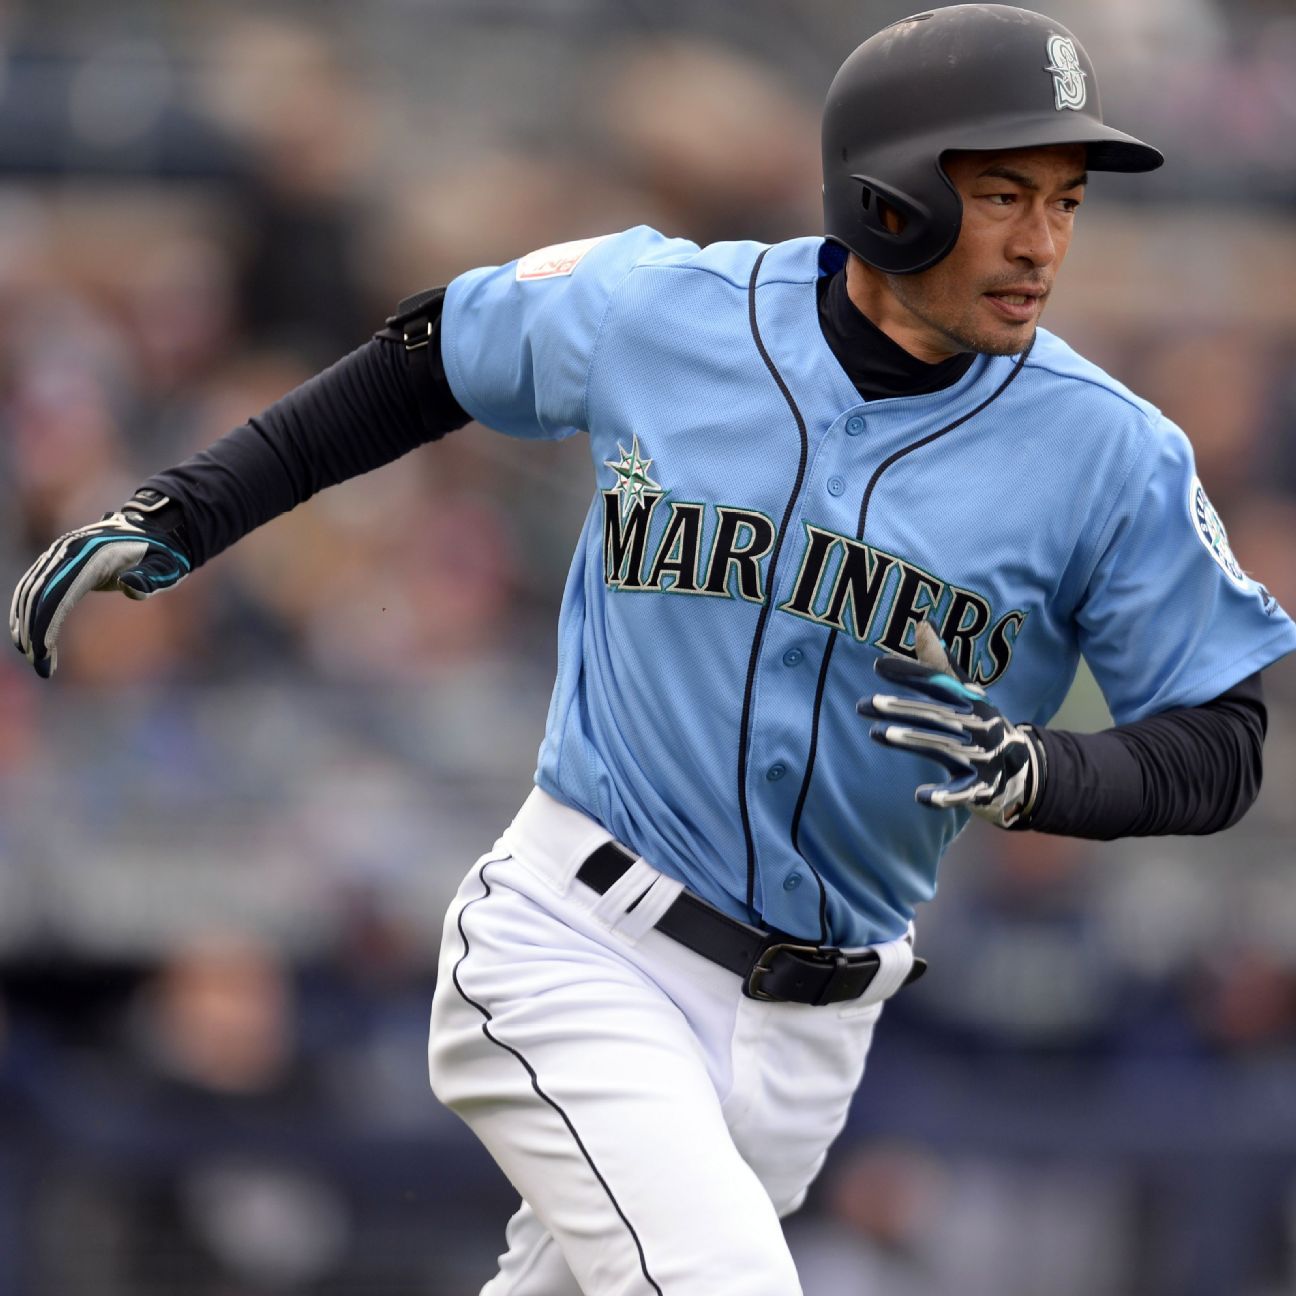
{"x": 972, "y": 76}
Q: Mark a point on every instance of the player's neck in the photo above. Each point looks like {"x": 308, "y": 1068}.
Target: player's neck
{"x": 871, "y": 295}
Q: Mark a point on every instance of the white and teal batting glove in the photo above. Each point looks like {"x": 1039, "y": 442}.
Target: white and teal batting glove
{"x": 138, "y": 550}
{"x": 997, "y": 767}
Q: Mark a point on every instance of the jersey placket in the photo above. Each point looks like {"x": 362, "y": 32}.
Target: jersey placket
{"x": 790, "y": 891}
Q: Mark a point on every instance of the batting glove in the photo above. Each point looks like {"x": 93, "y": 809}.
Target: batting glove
{"x": 138, "y": 550}
{"x": 996, "y": 766}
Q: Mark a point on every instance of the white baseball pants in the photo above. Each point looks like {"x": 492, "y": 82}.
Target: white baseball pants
{"x": 656, "y": 1121}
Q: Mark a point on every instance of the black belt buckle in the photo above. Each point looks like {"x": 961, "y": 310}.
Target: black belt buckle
{"x": 828, "y": 956}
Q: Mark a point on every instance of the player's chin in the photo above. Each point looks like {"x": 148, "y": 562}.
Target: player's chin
{"x": 1000, "y": 337}
{"x": 1000, "y": 342}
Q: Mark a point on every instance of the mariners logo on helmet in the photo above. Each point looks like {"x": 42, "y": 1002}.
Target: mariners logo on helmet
{"x": 1068, "y": 75}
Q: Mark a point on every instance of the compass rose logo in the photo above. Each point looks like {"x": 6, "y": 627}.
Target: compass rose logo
{"x": 1068, "y": 75}
{"x": 632, "y": 477}
{"x": 1210, "y": 531}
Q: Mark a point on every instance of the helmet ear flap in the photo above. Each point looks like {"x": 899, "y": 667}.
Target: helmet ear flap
{"x": 879, "y": 200}
{"x": 918, "y": 232}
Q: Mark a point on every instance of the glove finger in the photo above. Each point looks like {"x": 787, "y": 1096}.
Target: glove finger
{"x": 16, "y": 603}
{"x": 982, "y": 733}
{"x": 22, "y": 591}
{"x": 931, "y": 652}
{"x": 922, "y": 679}
{"x": 886, "y": 706}
{"x": 135, "y": 584}
{"x": 951, "y": 689}
{"x": 957, "y": 794}
{"x": 943, "y": 748}
{"x": 158, "y": 570}
{"x": 94, "y": 564}
{"x": 21, "y": 602}
{"x": 900, "y": 670}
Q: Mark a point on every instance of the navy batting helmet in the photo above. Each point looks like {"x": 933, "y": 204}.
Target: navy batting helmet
{"x": 971, "y": 76}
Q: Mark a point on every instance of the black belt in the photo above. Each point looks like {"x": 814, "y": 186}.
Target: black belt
{"x": 771, "y": 966}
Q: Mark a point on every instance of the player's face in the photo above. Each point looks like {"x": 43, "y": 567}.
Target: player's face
{"x": 987, "y": 295}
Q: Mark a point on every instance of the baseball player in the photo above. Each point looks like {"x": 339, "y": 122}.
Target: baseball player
{"x": 818, "y": 464}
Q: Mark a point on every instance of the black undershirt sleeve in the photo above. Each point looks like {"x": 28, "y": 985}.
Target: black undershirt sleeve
{"x": 1191, "y": 770}
{"x": 368, "y": 409}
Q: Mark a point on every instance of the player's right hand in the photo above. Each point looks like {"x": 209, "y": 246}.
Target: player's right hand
{"x": 138, "y": 550}
{"x": 997, "y": 768}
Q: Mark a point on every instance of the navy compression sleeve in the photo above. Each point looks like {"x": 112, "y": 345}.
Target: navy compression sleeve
{"x": 1192, "y": 770}
{"x": 371, "y": 407}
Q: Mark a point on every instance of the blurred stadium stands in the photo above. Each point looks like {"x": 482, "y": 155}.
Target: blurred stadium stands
{"x": 229, "y": 827}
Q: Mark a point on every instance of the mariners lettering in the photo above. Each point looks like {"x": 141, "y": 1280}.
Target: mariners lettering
{"x": 804, "y": 593}
{"x": 624, "y": 538}
{"x": 855, "y": 588}
{"x": 1002, "y": 638}
{"x": 917, "y": 596}
{"x": 841, "y": 583}
{"x": 742, "y": 540}
{"x": 966, "y": 618}
{"x": 677, "y": 555}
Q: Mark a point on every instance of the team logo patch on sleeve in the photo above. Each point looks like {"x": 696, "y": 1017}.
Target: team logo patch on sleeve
{"x": 1211, "y": 532}
{"x": 555, "y": 261}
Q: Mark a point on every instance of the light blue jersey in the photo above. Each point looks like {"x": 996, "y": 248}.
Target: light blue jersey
{"x": 759, "y": 535}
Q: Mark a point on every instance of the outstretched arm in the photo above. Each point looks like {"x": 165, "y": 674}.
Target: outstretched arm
{"x": 370, "y": 408}
{"x": 376, "y": 404}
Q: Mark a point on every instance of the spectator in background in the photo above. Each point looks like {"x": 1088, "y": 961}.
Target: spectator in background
{"x": 904, "y": 1220}
{"x": 280, "y": 87}
{"x": 225, "y": 1193}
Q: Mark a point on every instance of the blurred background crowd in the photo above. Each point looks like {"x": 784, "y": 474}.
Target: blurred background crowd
{"x": 229, "y": 827}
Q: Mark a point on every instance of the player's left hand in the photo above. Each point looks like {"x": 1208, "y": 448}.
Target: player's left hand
{"x": 997, "y": 766}
{"x": 139, "y": 549}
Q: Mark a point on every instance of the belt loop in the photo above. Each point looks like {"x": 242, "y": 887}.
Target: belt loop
{"x": 613, "y": 905}
{"x": 895, "y": 959}
{"x": 645, "y": 915}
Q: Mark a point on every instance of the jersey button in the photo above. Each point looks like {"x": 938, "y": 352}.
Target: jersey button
{"x": 792, "y": 881}
{"x": 854, "y": 426}
{"x": 792, "y": 657}
{"x": 776, "y": 771}
{"x": 836, "y": 485}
